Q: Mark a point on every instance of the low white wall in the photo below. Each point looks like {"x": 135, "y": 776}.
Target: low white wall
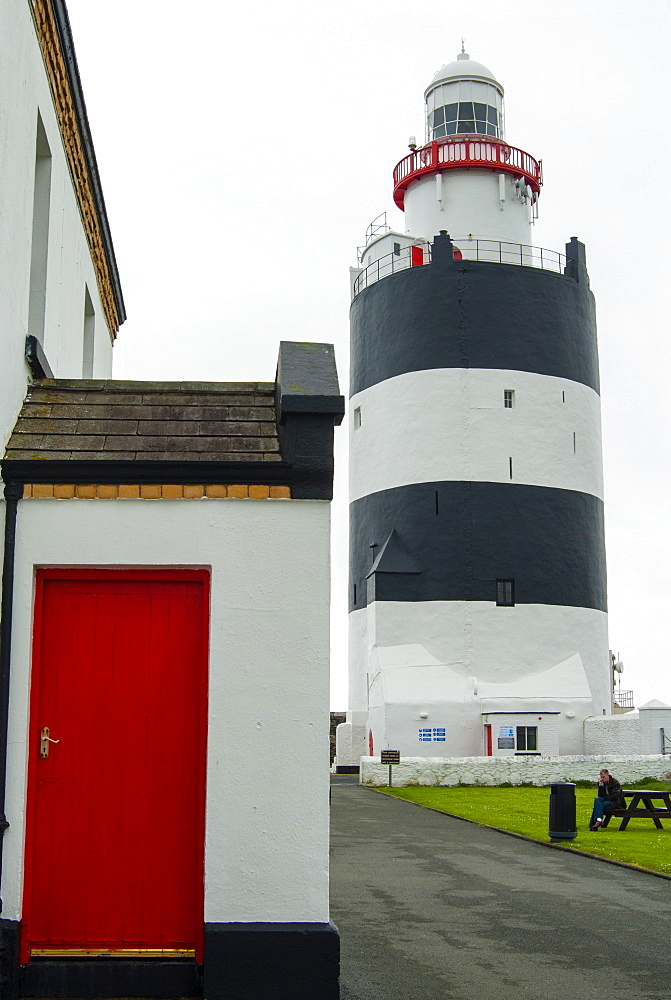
{"x": 618, "y": 734}
{"x": 516, "y": 770}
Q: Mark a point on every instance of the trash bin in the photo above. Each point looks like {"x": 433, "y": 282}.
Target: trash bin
{"x": 562, "y": 811}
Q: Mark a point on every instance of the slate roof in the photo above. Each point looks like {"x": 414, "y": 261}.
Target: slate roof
{"x": 81, "y": 420}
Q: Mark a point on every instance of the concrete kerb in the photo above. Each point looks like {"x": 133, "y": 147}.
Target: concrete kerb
{"x": 530, "y": 840}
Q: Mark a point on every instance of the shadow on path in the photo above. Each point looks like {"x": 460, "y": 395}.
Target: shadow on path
{"x": 433, "y": 907}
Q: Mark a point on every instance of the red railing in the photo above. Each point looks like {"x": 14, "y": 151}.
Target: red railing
{"x": 492, "y": 154}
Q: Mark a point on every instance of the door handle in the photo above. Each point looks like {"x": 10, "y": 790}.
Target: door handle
{"x": 45, "y": 740}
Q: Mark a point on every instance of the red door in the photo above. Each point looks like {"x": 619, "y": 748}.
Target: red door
{"x": 115, "y": 819}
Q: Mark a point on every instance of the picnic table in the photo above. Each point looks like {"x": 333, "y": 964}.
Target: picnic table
{"x": 641, "y": 807}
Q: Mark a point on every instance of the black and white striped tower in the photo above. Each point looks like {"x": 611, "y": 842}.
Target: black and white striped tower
{"x": 477, "y": 564}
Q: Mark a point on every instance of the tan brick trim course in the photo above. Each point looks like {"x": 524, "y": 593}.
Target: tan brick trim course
{"x": 107, "y": 492}
{"x": 54, "y": 61}
{"x": 172, "y": 492}
{"x": 63, "y": 492}
{"x": 150, "y": 491}
{"x": 154, "y": 491}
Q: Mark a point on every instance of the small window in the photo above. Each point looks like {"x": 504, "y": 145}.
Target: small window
{"x": 508, "y": 398}
{"x": 397, "y": 249}
{"x": 505, "y": 593}
{"x": 527, "y": 737}
{"x": 357, "y": 418}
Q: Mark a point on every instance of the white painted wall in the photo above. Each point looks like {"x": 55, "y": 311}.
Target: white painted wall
{"x": 470, "y": 202}
{"x": 620, "y": 734}
{"x": 266, "y": 852}
{"x": 383, "y": 246}
{"x": 455, "y": 660}
{"x": 451, "y": 425}
{"x": 653, "y": 717}
{"x": 515, "y": 770}
{"x": 25, "y": 90}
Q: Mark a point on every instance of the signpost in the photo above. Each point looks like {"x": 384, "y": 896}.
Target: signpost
{"x": 390, "y": 757}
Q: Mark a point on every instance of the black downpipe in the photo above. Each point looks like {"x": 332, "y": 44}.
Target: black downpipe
{"x": 13, "y": 493}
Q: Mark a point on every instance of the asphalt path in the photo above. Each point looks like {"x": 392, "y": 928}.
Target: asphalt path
{"x": 430, "y": 908}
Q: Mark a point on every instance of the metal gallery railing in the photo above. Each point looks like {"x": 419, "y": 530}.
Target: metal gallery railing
{"x": 464, "y": 248}
{"x": 467, "y": 151}
{"x": 500, "y": 252}
{"x": 391, "y": 263}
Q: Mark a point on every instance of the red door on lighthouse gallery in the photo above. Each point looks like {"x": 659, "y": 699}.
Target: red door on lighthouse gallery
{"x": 116, "y": 781}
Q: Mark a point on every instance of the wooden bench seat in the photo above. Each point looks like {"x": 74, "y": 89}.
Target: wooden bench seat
{"x": 641, "y": 807}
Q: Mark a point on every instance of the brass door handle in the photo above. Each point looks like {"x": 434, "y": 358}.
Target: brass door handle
{"x": 45, "y": 740}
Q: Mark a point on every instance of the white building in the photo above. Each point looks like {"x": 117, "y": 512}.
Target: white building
{"x": 477, "y": 565}
{"x": 164, "y": 641}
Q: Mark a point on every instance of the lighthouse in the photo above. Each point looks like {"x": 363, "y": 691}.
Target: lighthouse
{"x": 477, "y": 593}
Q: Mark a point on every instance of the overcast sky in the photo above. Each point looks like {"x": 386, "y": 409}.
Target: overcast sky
{"x": 244, "y": 148}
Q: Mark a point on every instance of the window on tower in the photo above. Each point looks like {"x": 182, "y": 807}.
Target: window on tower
{"x": 509, "y": 398}
{"x": 505, "y": 593}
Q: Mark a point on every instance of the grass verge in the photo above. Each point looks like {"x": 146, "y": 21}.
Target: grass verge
{"x": 525, "y": 810}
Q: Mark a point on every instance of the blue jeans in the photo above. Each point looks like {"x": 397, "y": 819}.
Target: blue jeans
{"x": 601, "y": 806}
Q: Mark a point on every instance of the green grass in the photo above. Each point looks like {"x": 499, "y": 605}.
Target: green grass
{"x": 525, "y": 810}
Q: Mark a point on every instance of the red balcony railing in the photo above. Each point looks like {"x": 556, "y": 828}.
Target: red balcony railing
{"x": 460, "y": 153}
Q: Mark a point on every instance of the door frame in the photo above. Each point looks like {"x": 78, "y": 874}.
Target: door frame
{"x": 123, "y": 575}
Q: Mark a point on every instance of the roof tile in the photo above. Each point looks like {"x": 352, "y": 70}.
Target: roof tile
{"x": 146, "y": 421}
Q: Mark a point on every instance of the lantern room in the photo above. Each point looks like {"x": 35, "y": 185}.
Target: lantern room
{"x": 464, "y": 98}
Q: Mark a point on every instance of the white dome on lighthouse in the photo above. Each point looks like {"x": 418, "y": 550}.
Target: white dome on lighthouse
{"x": 463, "y": 68}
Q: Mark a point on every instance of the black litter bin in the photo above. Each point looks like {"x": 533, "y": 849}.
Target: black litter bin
{"x": 562, "y": 811}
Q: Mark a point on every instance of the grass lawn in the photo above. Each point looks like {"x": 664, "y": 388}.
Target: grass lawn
{"x": 526, "y": 810}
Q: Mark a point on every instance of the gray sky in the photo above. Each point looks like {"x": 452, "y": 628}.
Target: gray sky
{"x": 244, "y": 148}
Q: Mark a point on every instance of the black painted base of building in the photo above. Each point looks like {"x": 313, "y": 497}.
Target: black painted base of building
{"x": 285, "y": 961}
{"x": 347, "y": 769}
{"x": 282, "y": 961}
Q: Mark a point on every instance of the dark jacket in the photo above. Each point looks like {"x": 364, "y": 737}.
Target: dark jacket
{"x": 612, "y": 791}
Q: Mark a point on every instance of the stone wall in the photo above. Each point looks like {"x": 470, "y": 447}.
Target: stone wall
{"x": 515, "y": 770}
{"x": 618, "y": 734}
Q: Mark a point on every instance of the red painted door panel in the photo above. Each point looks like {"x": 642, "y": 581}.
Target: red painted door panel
{"x": 115, "y": 825}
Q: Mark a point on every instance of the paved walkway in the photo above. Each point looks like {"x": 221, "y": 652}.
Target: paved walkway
{"x": 433, "y": 908}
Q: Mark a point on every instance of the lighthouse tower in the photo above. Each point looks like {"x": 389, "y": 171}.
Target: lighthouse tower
{"x": 477, "y": 565}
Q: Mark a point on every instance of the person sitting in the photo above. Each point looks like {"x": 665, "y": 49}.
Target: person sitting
{"x": 609, "y": 797}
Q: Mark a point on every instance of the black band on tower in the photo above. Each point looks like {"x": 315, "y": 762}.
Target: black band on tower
{"x": 549, "y": 541}
{"x": 474, "y": 314}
